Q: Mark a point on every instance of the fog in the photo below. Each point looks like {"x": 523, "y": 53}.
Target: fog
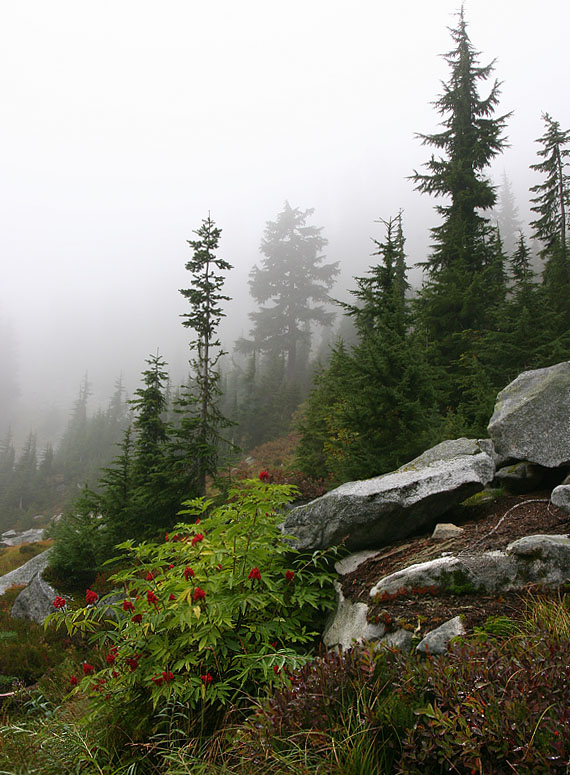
{"x": 124, "y": 123}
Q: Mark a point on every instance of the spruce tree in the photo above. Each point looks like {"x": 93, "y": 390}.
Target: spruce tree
{"x": 324, "y": 438}
{"x": 200, "y": 431}
{"x": 71, "y": 458}
{"x": 454, "y": 298}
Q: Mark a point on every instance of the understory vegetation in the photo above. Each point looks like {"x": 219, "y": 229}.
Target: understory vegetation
{"x": 496, "y": 703}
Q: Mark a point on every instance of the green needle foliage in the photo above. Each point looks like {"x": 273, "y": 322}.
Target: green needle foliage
{"x": 199, "y": 435}
{"x": 458, "y": 296}
{"x": 370, "y": 410}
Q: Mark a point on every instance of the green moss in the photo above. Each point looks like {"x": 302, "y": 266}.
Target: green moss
{"x": 488, "y": 495}
{"x": 458, "y": 583}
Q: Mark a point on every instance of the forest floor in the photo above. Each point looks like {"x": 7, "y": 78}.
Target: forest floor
{"x": 487, "y": 526}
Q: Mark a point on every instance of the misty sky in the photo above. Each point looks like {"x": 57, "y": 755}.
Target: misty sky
{"x": 123, "y": 123}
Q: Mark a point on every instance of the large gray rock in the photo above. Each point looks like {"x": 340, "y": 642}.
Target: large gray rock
{"x": 538, "y": 559}
{"x": 35, "y": 602}
{"x": 531, "y": 420}
{"x": 380, "y": 511}
{"x": 349, "y": 625}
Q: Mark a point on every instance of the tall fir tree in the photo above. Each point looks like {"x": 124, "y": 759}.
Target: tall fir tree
{"x": 454, "y": 298}
{"x": 292, "y": 286}
{"x": 200, "y": 431}
{"x": 552, "y": 207}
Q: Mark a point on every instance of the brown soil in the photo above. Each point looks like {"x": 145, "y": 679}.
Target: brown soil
{"x": 486, "y": 526}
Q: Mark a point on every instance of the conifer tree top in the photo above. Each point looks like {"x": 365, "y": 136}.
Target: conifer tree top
{"x": 470, "y": 139}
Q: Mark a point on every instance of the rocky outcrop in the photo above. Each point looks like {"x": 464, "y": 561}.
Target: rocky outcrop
{"x": 536, "y": 559}
{"x": 25, "y": 573}
{"x": 13, "y": 538}
{"x": 531, "y": 420}
{"x": 35, "y": 602}
{"x": 379, "y": 511}
{"x": 539, "y": 559}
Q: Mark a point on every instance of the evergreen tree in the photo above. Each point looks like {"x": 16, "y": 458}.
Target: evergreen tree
{"x": 9, "y": 389}
{"x": 7, "y": 461}
{"x": 292, "y": 286}
{"x": 267, "y": 401}
{"x": 552, "y": 203}
{"x": 149, "y": 404}
{"x": 46, "y": 476}
{"x": 140, "y": 489}
{"x": 552, "y": 206}
{"x": 135, "y": 496}
{"x": 325, "y": 438}
{"x": 71, "y": 457}
{"x": 507, "y": 216}
{"x": 454, "y": 298}
{"x": 23, "y": 487}
{"x": 523, "y": 338}
{"x": 200, "y": 432}
{"x": 521, "y": 266}
{"x": 372, "y": 407}
{"x": 124, "y": 513}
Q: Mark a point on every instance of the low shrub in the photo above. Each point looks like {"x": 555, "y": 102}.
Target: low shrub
{"x": 494, "y": 705}
{"x": 207, "y": 617}
{"x": 336, "y": 715}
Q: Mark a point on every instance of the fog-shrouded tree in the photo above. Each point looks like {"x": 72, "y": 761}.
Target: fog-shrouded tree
{"x": 552, "y": 200}
{"x": 72, "y": 449}
{"x": 200, "y": 429}
{"x": 9, "y": 389}
{"x": 454, "y": 298}
{"x": 291, "y": 285}
{"x": 7, "y": 462}
{"x": 133, "y": 496}
{"x": 552, "y": 207}
{"x": 507, "y": 216}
